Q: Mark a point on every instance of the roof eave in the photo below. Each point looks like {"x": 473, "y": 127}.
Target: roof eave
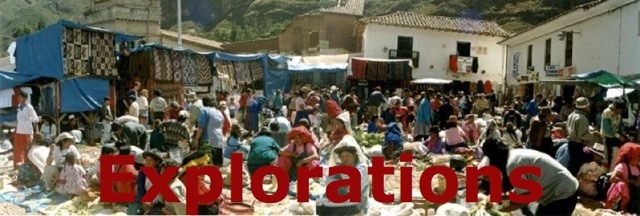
{"x": 439, "y": 29}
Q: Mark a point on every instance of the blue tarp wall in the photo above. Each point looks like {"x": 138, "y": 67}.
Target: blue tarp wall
{"x": 12, "y": 79}
{"x": 82, "y": 94}
{"x": 40, "y": 54}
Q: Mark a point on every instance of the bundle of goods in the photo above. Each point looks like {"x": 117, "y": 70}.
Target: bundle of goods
{"x": 316, "y": 190}
{"x": 368, "y": 139}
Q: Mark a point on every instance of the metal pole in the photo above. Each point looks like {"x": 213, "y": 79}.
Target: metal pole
{"x": 179, "y": 24}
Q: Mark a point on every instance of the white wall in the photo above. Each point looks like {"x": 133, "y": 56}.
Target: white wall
{"x": 606, "y": 42}
{"x": 435, "y": 47}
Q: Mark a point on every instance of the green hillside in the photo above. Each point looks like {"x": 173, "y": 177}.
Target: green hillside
{"x": 242, "y": 20}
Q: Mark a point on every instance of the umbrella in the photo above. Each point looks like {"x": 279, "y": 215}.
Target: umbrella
{"x": 605, "y": 79}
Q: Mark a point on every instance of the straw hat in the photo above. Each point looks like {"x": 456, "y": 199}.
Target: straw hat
{"x": 65, "y": 136}
{"x": 38, "y": 138}
{"x": 582, "y": 103}
{"x": 598, "y": 149}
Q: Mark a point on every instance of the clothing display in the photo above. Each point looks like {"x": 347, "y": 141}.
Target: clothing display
{"x": 480, "y": 86}
{"x": 176, "y": 65}
{"x": 163, "y": 65}
{"x": 358, "y": 68}
{"x": 204, "y": 70}
{"x": 474, "y": 65}
{"x": 243, "y": 75}
{"x": 453, "y": 63}
{"x": 377, "y": 71}
{"x": 75, "y": 43}
{"x": 488, "y": 86}
{"x": 103, "y": 61}
{"x": 399, "y": 71}
{"x": 256, "y": 70}
{"x": 189, "y": 74}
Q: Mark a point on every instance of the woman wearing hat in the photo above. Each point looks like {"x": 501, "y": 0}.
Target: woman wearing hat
{"x": 154, "y": 160}
{"x": 592, "y": 171}
{"x": 343, "y": 136}
{"x": 625, "y": 188}
{"x": 434, "y": 144}
{"x": 301, "y": 152}
{"x": 55, "y": 161}
{"x": 471, "y": 129}
{"x": 348, "y": 156}
{"x": 454, "y": 135}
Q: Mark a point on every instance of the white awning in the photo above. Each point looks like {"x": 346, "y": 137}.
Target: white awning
{"x": 617, "y": 92}
{"x": 432, "y": 81}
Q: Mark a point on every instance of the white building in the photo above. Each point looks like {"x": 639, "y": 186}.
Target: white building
{"x": 601, "y": 35}
{"x": 430, "y": 41}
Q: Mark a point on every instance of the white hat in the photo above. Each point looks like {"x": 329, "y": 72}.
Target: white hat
{"x": 582, "y": 103}
{"x": 191, "y": 95}
{"x": 598, "y": 149}
{"x": 333, "y": 88}
{"x": 64, "y": 136}
{"x": 5, "y": 146}
{"x": 71, "y": 116}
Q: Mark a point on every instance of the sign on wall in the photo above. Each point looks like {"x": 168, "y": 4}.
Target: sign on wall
{"x": 465, "y": 64}
{"x": 552, "y": 71}
{"x": 516, "y": 61}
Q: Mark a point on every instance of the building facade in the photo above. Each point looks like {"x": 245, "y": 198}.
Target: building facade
{"x": 458, "y": 49}
{"x": 601, "y": 35}
{"x": 327, "y": 31}
{"x": 142, "y": 18}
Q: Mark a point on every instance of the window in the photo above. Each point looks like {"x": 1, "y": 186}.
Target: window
{"x": 464, "y": 49}
{"x": 530, "y": 56}
{"x": 405, "y": 43}
{"x": 568, "y": 49}
{"x": 547, "y": 52}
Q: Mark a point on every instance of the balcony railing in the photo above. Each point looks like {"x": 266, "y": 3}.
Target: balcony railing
{"x": 406, "y": 54}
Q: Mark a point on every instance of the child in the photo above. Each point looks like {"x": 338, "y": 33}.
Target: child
{"x": 233, "y": 143}
{"x": 72, "y": 181}
{"x": 373, "y": 124}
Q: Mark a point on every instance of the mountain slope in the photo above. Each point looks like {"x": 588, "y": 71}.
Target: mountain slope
{"x": 243, "y": 20}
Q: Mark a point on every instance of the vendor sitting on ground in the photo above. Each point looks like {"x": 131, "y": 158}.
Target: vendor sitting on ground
{"x": 434, "y": 144}
{"x": 263, "y": 151}
{"x": 94, "y": 173}
{"x": 624, "y": 193}
{"x": 176, "y": 132}
{"x": 72, "y": 126}
{"x": 152, "y": 159}
{"x": 392, "y": 142}
{"x": 30, "y": 172}
{"x": 55, "y": 161}
{"x": 301, "y": 152}
{"x": 125, "y": 186}
{"x": 454, "y": 136}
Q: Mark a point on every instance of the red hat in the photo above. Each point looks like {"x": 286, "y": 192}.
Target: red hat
{"x": 301, "y": 132}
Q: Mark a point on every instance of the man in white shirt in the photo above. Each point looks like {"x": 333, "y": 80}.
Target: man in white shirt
{"x": 158, "y": 106}
{"x": 27, "y": 120}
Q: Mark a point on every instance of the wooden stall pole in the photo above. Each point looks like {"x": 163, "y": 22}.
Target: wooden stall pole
{"x": 57, "y": 110}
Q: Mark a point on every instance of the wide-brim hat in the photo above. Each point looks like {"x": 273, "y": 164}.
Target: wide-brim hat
{"x": 598, "y": 149}
{"x": 191, "y": 95}
{"x": 333, "y": 88}
{"x": 64, "y": 136}
{"x": 582, "y": 103}
{"x": 153, "y": 153}
{"x": 197, "y": 158}
{"x": 348, "y": 148}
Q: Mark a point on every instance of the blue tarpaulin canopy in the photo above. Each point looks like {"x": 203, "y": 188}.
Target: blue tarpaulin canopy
{"x": 41, "y": 53}
{"x": 82, "y": 94}
{"x": 12, "y": 79}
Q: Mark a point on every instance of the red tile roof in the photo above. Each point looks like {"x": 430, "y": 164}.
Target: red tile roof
{"x": 351, "y": 7}
{"x": 442, "y": 23}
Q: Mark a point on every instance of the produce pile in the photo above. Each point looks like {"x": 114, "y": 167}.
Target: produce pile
{"x": 368, "y": 139}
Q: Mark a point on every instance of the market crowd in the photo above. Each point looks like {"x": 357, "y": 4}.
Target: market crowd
{"x": 582, "y": 150}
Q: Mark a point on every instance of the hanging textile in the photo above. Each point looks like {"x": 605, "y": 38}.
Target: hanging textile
{"x": 480, "y": 86}
{"x": 226, "y": 68}
{"x": 453, "y": 63}
{"x": 75, "y": 43}
{"x": 157, "y": 61}
{"x": 47, "y": 101}
{"x": 203, "y": 69}
{"x": 243, "y": 75}
{"x": 163, "y": 65}
{"x": 103, "y": 51}
{"x": 377, "y": 71}
{"x": 473, "y": 87}
{"x": 383, "y": 71}
{"x": 358, "y": 68}
{"x": 189, "y": 74}
{"x": 256, "y": 70}
{"x": 176, "y": 64}
{"x": 488, "y": 87}
{"x": 474, "y": 65}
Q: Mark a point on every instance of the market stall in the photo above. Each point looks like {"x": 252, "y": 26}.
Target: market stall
{"x": 324, "y": 70}
{"x": 243, "y": 70}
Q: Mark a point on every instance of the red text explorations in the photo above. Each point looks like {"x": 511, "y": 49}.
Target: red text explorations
{"x": 162, "y": 181}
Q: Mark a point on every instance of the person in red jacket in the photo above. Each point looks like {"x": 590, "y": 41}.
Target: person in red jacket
{"x": 333, "y": 109}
